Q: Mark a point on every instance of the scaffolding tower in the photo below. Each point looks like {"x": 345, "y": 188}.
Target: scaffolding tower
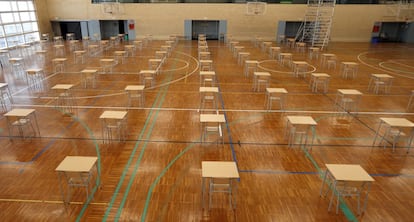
{"x": 316, "y": 27}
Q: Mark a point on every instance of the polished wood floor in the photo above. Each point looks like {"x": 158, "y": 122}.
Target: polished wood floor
{"x": 155, "y": 175}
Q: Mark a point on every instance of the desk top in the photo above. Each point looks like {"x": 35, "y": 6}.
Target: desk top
{"x": 148, "y": 71}
{"x": 15, "y": 59}
{"x": 209, "y": 89}
{"x": 381, "y": 76}
{"x": 397, "y": 122}
{"x": 89, "y": 71}
{"x": 34, "y": 70}
{"x": 20, "y": 112}
{"x": 300, "y": 63}
{"x": 59, "y": 59}
{"x": 62, "y": 86}
{"x": 349, "y": 92}
{"x": 2, "y": 84}
{"x": 113, "y": 115}
{"x": 348, "y": 172}
{"x": 107, "y": 60}
{"x": 328, "y": 54}
{"x": 320, "y": 75}
{"x": 212, "y": 118}
{"x": 261, "y": 73}
{"x": 134, "y": 87}
{"x": 77, "y": 164}
{"x": 349, "y": 63}
{"x": 276, "y": 90}
{"x": 219, "y": 169}
{"x": 302, "y": 120}
{"x": 207, "y": 73}
{"x": 251, "y": 61}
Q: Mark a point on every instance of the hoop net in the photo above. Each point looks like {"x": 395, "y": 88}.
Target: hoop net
{"x": 256, "y": 8}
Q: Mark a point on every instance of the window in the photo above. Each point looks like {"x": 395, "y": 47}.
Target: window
{"x": 18, "y": 23}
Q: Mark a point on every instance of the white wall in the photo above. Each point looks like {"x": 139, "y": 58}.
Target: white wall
{"x": 351, "y": 22}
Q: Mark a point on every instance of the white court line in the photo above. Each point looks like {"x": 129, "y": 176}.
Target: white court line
{"x": 273, "y": 70}
{"x": 220, "y": 110}
{"x": 378, "y": 68}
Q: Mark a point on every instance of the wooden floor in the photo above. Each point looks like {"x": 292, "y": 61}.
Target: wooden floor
{"x": 156, "y": 174}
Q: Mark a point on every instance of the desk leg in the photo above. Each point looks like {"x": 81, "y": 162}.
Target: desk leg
{"x": 333, "y": 194}
{"x": 203, "y": 187}
{"x": 377, "y": 133}
{"x": 9, "y": 128}
{"x": 323, "y": 182}
{"x": 366, "y": 199}
{"x": 313, "y": 137}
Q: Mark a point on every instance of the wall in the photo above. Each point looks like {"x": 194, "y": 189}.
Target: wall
{"x": 161, "y": 20}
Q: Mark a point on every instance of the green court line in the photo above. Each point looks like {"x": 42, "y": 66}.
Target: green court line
{"x": 135, "y": 171}
{"x": 149, "y": 194}
{"x": 124, "y": 172}
{"x": 98, "y": 165}
{"x": 125, "y": 196}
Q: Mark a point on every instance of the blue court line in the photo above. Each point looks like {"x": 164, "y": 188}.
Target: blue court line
{"x": 233, "y": 152}
{"x": 44, "y": 149}
{"x": 279, "y": 172}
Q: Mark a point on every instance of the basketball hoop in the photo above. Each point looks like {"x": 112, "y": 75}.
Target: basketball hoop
{"x": 256, "y": 8}
{"x": 112, "y": 8}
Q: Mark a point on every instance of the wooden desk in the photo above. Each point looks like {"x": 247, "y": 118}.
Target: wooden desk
{"x": 300, "y": 125}
{"x": 107, "y": 65}
{"x": 79, "y": 55}
{"x": 135, "y": 92}
{"x": 345, "y": 175}
{"x": 214, "y": 120}
{"x": 65, "y": 101}
{"x": 219, "y": 170}
{"x": 319, "y": 79}
{"x": 5, "y": 94}
{"x": 19, "y": 118}
{"x": 208, "y": 93}
{"x": 285, "y": 58}
{"x": 147, "y": 75}
{"x": 113, "y": 120}
{"x": 34, "y": 78}
{"x": 207, "y": 76}
{"x": 300, "y": 67}
{"x": 59, "y": 64}
{"x": 260, "y": 77}
{"x": 274, "y": 52}
{"x": 275, "y": 94}
{"x": 378, "y": 80}
{"x": 250, "y": 66}
{"x": 76, "y": 171}
{"x": 325, "y": 58}
{"x": 120, "y": 56}
{"x": 89, "y": 76}
{"x": 398, "y": 123}
{"x": 348, "y": 100}
{"x": 349, "y": 68}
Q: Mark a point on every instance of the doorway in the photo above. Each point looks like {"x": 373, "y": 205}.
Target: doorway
{"x": 210, "y": 28}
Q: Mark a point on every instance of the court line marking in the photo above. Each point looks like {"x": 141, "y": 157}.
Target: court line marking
{"x": 47, "y": 201}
